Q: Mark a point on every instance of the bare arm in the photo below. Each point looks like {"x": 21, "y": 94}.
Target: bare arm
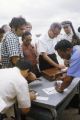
{"x": 66, "y": 82}
{"x": 51, "y": 62}
{"x": 25, "y": 110}
{"x": 14, "y": 59}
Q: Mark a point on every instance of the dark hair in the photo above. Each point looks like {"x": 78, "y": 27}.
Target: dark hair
{"x": 16, "y": 22}
{"x": 1, "y": 31}
{"x": 23, "y": 64}
{"x": 78, "y": 29}
{"x": 63, "y": 45}
{"x": 55, "y": 25}
{"x": 25, "y": 34}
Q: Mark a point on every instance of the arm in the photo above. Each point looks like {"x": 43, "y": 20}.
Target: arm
{"x": 25, "y": 110}
{"x": 50, "y": 61}
{"x": 14, "y": 59}
{"x": 66, "y": 82}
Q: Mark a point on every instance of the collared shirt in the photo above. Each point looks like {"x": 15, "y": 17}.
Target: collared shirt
{"x": 46, "y": 44}
{"x": 14, "y": 86}
{"x": 10, "y": 47}
{"x": 74, "y": 62}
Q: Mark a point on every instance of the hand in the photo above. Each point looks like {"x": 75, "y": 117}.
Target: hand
{"x": 66, "y": 62}
{"x": 31, "y": 76}
{"x": 32, "y": 95}
{"x": 58, "y": 87}
{"x": 61, "y": 66}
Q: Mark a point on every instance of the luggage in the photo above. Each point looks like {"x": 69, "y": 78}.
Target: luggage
{"x": 51, "y": 73}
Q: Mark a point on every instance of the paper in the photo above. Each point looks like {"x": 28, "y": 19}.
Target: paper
{"x": 3, "y": 105}
{"x": 50, "y": 90}
{"x": 41, "y": 98}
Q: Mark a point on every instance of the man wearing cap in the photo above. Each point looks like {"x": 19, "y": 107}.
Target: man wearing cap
{"x": 14, "y": 86}
{"x": 46, "y": 44}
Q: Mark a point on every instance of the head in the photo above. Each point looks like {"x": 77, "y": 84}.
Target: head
{"x": 28, "y": 27}
{"x": 18, "y": 25}
{"x": 6, "y": 28}
{"x": 27, "y": 38}
{"x": 64, "y": 49}
{"x": 1, "y": 33}
{"x": 66, "y": 25}
{"x": 78, "y": 29}
{"x": 25, "y": 69}
{"x": 54, "y": 30}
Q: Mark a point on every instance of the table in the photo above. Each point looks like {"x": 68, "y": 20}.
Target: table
{"x": 56, "y": 102}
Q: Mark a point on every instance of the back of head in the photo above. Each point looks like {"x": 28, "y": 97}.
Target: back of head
{"x": 2, "y": 31}
{"x": 16, "y": 22}
{"x": 55, "y": 25}
{"x": 23, "y": 64}
{"x": 63, "y": 45}
{"x": 6, "y": 28}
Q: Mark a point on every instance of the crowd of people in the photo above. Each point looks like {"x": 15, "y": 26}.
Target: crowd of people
{"x": 21, "y": 61}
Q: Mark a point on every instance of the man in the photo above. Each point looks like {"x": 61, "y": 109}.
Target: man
{"x": 11, "y": 50}
{"x": 29, "y": 52}
{"x": 66, "y": 51}
{"x": 46, "y": 44}
{"x": 14, "y": 86}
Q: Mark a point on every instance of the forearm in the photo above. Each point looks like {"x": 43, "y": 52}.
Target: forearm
{"x": 14, "y": 59}
{"x": 66, "y": 82}
{"x": 49, "y": 60}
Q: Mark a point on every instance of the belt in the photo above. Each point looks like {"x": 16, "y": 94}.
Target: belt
{"x": 2, "y": 116}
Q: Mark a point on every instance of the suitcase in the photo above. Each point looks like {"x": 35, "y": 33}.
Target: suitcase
{"x": 51, "y": 73}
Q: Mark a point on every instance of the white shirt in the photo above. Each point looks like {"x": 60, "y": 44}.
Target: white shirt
{"x": 14, "y": 86}
{"x": 46, "y": 44}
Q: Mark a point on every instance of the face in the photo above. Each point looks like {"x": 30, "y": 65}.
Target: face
{"x": 54, "y": 33}
{"x": 28, "y": 28}
{"x": 64, "y": 54}
{"x": 27, "y": 40}
{"x": 20, "y": 30}
{"x": 67, "y": 29}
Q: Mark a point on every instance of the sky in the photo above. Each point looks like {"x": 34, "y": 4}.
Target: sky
{"x": 41, "y": 13}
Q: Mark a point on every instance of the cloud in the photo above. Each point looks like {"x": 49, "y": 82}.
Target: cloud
{"x": 41, "y": 13}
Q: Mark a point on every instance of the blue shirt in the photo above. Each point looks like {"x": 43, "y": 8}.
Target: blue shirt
{"x": 74, "y": 62}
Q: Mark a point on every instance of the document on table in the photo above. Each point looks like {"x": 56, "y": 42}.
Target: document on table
{"x": 41, "y": 98}
{"x": 3, "y": 105}
{"x": 50, "y": 90}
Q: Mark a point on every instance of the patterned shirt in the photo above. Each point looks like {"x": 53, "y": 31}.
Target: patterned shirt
{"x": 10, "y": 47}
